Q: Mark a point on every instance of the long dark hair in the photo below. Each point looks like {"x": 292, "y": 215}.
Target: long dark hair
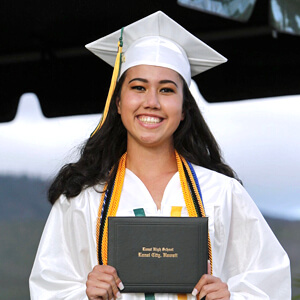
{"x": 101, "y": 152}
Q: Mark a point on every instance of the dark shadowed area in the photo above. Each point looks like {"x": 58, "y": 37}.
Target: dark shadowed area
{"x": 42, "y": 51}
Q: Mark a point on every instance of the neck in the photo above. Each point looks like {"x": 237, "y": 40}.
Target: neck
{"x": 151, "y": 161}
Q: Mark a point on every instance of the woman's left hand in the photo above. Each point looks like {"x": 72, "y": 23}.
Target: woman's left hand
{"x": 212, "y": 287}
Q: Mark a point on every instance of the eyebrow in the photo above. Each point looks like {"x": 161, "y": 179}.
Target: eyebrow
{"x": 160, "y": 82}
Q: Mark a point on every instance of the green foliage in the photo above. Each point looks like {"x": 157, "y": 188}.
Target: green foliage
{"x": 23, "y": 198}
{"x": 296, "y": 281}
{"x": 18, "y": 245}
{"x": 296, "y": 284}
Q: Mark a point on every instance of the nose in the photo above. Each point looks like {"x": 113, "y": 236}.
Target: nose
{"x": 152, "y": 100}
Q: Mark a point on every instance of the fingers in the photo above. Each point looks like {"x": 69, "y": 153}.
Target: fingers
{"x": 211, "y": 287}
{"x": 204, "y": 280}
{"x": 116, "y": 282}
{"x": 94, "y": 292}
{"x": 197, "y": 288}
{"x": 215, "y": 290}
{"x": 208, "y": 267}
{"x": 103, "y": 282}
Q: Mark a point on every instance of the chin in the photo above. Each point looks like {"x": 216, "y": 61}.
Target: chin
{"x": 154, "y": 142}
{"x": 148, "y": 141}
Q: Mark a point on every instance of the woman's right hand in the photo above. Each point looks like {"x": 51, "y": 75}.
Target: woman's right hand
{"x": 103, "y": 283}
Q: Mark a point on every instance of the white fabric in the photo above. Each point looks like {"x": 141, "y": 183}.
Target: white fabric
{"x": 157, "y": 51}
{"x": 201, "y": 57}
{"x": 246, "y": 254}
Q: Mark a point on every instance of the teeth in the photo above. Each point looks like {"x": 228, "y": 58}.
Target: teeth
{"x": 149, "y": 120}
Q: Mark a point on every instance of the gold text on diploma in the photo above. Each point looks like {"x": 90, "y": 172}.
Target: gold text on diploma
{"x": 157, "y": 252}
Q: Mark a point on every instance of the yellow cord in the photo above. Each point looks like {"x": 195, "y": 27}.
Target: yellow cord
{"x": 113, "y": 83}
{"x": 185, "y": 189}
{"x": 201, "y": 209}
{"x": 115, "y": 199}
{"x": 99, "y": 218}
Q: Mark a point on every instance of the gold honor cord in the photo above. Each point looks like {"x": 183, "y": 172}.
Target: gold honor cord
{"x": 113, "y": 203}
{"x": 112, "y": 209}
{"x": 201, "y": 209}
{"x": 113, "y": 83}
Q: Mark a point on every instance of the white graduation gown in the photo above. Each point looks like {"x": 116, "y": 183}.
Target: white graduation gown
{"x": 246, "y": 254}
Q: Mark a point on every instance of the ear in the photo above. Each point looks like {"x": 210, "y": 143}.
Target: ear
{"x": 118, "y": 100}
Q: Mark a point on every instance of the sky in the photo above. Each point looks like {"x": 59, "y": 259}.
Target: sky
{"x": 259, "y": 139}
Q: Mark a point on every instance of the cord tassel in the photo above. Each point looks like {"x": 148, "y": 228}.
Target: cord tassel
{"x": 113, "y": 83}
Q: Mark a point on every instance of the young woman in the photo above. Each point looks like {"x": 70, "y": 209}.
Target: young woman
{"x": 151, "y": 144}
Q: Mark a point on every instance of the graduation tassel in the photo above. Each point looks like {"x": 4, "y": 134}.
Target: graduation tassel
{"x": 112, "y": 83}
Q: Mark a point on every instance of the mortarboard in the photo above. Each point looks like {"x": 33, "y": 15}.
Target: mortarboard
{"x": 155, "y": 40}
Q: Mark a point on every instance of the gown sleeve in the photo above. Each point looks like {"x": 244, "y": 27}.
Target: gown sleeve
{"x": 64, "y": 255}
{"x": 255, "y": 266}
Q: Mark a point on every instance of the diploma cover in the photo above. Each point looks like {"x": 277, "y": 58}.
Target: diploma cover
{"x": 158, "y": 254}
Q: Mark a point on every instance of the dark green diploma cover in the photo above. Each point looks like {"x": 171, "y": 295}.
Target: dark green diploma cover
{"x": 158, "y": 254}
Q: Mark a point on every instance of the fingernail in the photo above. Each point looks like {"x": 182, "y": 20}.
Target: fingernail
{"x": 119, "y": 296}
{"x": 194, "y": 292}
{"x": 121, "y": 286}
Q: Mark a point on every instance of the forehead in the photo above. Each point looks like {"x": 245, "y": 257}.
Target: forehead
{"x": 153, "y": 73}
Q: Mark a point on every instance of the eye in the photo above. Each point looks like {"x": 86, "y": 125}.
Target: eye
{"x": 167, "y": 90}
{"x": 138, "y": 88}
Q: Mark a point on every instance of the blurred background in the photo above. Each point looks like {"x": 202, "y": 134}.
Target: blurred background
{"x": 52, "y": 91}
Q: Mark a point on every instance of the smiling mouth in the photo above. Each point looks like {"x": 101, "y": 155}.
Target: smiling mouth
{"x": 149, "y": 120}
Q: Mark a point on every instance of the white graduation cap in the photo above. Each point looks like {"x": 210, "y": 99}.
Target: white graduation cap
{"x": 159, "y": 41}
{"x": 155, "y": 40}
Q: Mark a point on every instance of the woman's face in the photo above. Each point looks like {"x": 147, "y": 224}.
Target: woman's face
{"x": 150, "y": 105}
